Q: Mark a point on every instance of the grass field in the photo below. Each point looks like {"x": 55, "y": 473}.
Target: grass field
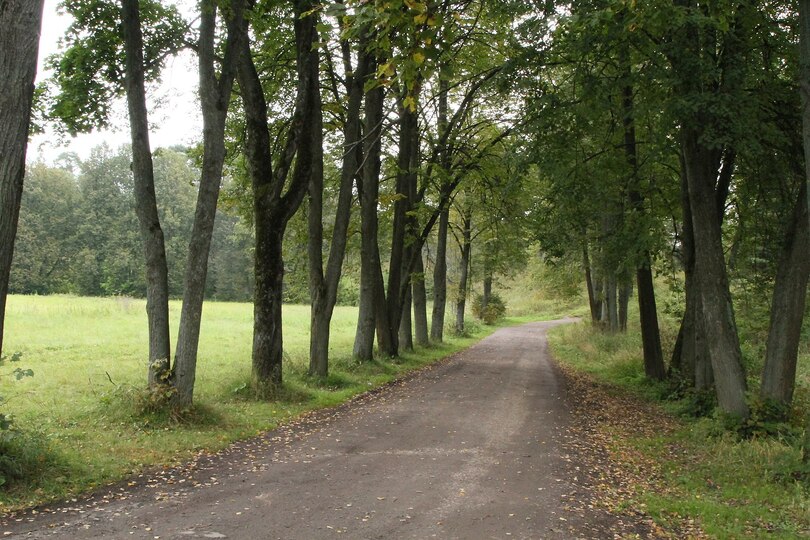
{"x": 732, "y": 487}
{"x": 80, "y": 410}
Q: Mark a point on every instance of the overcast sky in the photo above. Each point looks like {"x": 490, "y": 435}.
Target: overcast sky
{"x": 174, "y": 110}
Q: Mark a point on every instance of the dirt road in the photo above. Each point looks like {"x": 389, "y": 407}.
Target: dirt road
{"x": 471, "y": 448}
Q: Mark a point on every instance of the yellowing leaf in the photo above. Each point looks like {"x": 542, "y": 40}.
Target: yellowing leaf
{"x": 386, "y": 69}
{"x": 420, "y": 19}
{"x": 419, "y": 58}
{"x": 418, "y": 6}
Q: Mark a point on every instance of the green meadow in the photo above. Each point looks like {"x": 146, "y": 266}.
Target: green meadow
{"x": 83, "y": 419}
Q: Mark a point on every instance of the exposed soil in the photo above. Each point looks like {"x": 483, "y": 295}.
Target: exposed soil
{"x": 481, "y": 445}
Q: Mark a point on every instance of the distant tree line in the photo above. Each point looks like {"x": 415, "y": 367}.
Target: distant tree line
{"x": 78, "y": 232}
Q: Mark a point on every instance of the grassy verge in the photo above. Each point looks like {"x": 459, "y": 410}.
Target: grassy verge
{"x": 78, "y": 417}
{"x": 687, "y": 470}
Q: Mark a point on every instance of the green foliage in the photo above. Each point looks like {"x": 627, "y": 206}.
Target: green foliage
{"x": 24, "y": 456}
{"x": 78, "y": 232}
{"x": 494, "y": 310}
{"x": 19, "y": 457}
{"x": 768, "y": 419}
{"x": 735, "y": 480}
{"x": 89, "y": 73}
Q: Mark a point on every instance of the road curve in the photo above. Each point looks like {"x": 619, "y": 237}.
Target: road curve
{"x": 472, "y": 448}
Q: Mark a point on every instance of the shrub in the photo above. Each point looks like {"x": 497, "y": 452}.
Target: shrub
{"x": 494, "y": 310}
{"x": 17, "y": 455}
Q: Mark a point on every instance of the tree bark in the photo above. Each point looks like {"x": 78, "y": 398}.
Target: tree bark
{"x": 710, "y": 264}
{"x": 625, "y": 291}
{"x": 787, "y": 309}
{"x": 466, "y": 251}
{"x": 690, "y": 358}
{"x": 804, "y": 82}
{"x": 440, "y": 268}
{"x": 399, "y": 263}
{"x": 654, "y": 367}
{"x": 324, "y": 283}
{"x": 157, "y": 284}
{"x": 215, "y": 96}
{"x": 268, "y": 344}
{"x": 593, "y": 301}
{"x": 648, "y": 315}
{"x": 20, "y": 24}
{"x": 420, "y": 323}
{"x": 610, "y": 314}
{"x": 273, "y": 208}
{"x": 487, "y": 294}
{"x": 691, "y": 54}
{"x": 440, "y": 279}
{"x": 371, "y": 286}
{"x": 406, "y": 323}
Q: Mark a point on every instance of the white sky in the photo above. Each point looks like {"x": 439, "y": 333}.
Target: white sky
{"x": 173, "y": 108}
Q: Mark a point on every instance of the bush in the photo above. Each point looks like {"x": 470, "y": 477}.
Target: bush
{"x": 24, "y": 457}
{"x": 494, "y": 310}
{"x": 19, "y": 457}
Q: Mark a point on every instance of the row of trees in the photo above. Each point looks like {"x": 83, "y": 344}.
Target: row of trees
{"x": 77, "y": 234}
{"x": 623, "y": 135}
{"x": 672, "y": 133}
{"x": 381, "y": 105}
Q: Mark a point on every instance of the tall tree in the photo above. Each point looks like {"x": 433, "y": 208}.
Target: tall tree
{"x": 804, "y": 83}
{"x": 368, "y": 185}
{"x": 650, "y": 336}
{"x": 324, "y": 282}
{"x": 703, "y": 162}
{"x": 20, "y": 23}
{"x": 215, "y": 97}
{"x": 273, "y": 206}
{"x": 157, "y": 273}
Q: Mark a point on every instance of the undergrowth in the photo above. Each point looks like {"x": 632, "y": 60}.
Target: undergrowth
{"x": 735, "y": 481}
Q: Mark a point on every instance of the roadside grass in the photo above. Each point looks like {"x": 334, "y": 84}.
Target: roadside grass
{"x": 731, "y": 487}
{"x": 79, "y": 421}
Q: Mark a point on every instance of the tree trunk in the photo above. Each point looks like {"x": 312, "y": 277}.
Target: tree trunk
{"x": 370, "y": 271}
{"x": 710, "y": 264}
{"x": 804, "y": 81}
{"x": 272, "y": 207}
{"x": 611, "y": 306}
{"x": 420, "y": 324}
{"x": 268, "y": 344}
{"x": 215, "y": 96}
{"x": 648, "y": 315}
{"x": 405, "y": 324}
{"x": 20, "y": 23}
{"x": 466, "y": 251}
{"x": 487, "y": 291}
{"x": 654, "y": 366}
{"x": 440, "y": 268}
{"x": 693, "y": 52}
{"x": 324, "y": 284}
{"x": 398, "y": 271}
{"x": 625, "y": 291}
{"x": 440, "y": 279}
{"x": 157, "y": 284}
{"x": 787, "y": 309}
{"x": 593, "y": 300}
{"x": 690, "y": 350}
